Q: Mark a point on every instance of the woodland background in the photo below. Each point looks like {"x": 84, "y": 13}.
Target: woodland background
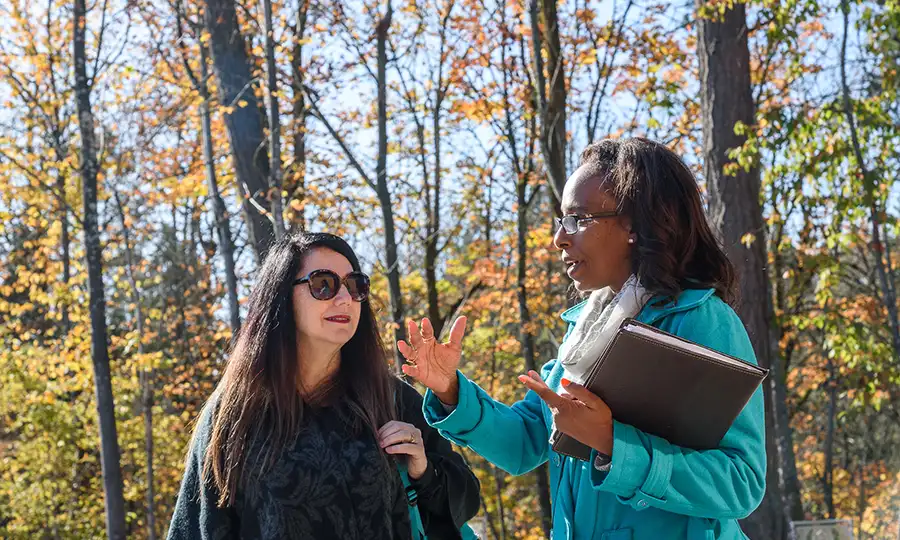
{"x": 150, "y": 149}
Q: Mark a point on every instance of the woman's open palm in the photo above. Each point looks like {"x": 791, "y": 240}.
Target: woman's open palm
{"x": 431, "y": 363}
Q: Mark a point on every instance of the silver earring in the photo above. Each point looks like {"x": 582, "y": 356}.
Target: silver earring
{"x": 631, "y": 240}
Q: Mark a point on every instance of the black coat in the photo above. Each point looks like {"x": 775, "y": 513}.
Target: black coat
{"x": 332, "y": 483}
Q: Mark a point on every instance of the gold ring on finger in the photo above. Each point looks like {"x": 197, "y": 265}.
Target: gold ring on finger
{"x": 412, "y": 361}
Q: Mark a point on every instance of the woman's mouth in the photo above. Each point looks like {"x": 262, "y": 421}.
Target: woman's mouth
{"x": 340, "y": 319}
{"x": 572, "y": 266}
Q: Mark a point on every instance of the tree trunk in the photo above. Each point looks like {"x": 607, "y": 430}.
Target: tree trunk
{"x": 726, "y": 99}
{"x": 384, "y": 196}
{"x": 434, "y": 217}
{"x": 500, "y": 484}
{"x": 146, "y": 375}
{"x": 64, "y": 245}
{"x": 109, "y": 444}
{"x": 434, "y": 211}
{"x": 61, "y": 150}
{"x": 523, "y": 166}
{"x": 147, "y": 404}
{"x": 527, "y": 338}
{"x": 551, "y": 94}
{"x": 244, "y": 123}
{"x": 297, "y": 186}
{"x": 274, "y": 126}
{"x": 500, "y": 508}
{"x": 488, "y": 217}
{"x": 223, "y": 225}
{"x": 828, "y": 476}
{"x": 861, "y": 502}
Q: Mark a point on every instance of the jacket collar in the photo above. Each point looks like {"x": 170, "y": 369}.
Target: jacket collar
{"x": 657, "y": 308}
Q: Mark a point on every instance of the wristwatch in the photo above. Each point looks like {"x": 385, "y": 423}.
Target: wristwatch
{"x": 602, "y": 462}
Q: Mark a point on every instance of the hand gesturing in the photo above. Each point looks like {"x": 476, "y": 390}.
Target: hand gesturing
{"x": 431, "y": 363}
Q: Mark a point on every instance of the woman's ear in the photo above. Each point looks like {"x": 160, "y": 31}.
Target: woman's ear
{"x": 632, "y": 236}
{"x": 625, "y": 222}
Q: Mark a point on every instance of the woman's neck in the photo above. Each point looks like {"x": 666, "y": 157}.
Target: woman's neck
{"x": 317, "y": 364}
{"x": 620, "y": 281}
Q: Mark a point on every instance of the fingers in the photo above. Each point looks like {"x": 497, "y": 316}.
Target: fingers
{"x": 411, "y": 370}
{"x": 413, "y": 335}
{"x": 427, "y": 329}
{"x": 396, "y": 432}
{"x": 551, "y": 398}
{"x": 585, "y": 396}
{"x": 392, "y": 427}
{"x": 406, "y": 449}
{"x": 406, "y": 350}
{"x": 457, "y": 332}
{"x": 401, "y": 437}
{"x": 417, "y": 336}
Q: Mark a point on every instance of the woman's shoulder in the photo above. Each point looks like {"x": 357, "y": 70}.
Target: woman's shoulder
{"x": 203, "y": 425}
{"x": 715, "y": 312}
{"x": 710, "y": 321}
{"x": 695, "y": 305}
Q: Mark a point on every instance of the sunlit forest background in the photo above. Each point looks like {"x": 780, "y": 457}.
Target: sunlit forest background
{"x": 150, "y": 150}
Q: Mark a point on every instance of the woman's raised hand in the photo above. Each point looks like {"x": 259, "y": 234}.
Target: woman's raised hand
{"x": 431, "y": 363}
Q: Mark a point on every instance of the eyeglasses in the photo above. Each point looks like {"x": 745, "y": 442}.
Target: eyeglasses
{"x": 325, "y": 284}
{"x": 570, "y": 222}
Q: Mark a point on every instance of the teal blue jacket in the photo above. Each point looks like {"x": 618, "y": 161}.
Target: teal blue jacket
{"x": 654, "y": 489}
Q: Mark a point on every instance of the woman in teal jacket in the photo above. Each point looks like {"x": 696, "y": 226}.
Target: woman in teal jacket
{"x": 634, "y": 237}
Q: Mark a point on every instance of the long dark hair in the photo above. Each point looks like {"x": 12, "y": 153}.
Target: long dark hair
{"x": 675, "y": 248}
{"x": 258, "y": 397}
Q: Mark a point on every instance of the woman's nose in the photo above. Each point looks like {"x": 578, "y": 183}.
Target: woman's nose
{"x": 343, "y": 295}
{"x": 561, "y": 238}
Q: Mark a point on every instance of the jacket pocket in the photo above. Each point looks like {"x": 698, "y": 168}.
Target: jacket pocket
{"x": 618, "y": 534}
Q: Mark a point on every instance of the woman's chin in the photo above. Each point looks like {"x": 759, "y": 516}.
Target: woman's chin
{"x": 584, "y": 286}
{"x": 580, "y": 278}
{"x": 342, "y": 335}
{"x": 333, "y": 337}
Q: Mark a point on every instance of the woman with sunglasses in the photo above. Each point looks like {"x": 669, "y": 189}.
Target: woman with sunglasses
{"x": 633, "y": 237}
{"x": 304, "y": 433}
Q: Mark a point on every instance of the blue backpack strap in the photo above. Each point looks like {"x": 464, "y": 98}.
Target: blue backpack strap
{"x": 415, "y": 518}
{"x": 412, "y": 497}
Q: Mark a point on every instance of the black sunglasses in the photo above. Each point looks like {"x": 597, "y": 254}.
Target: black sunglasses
{"x": 325, "y": 284}
{"x": 570, "y": 222}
